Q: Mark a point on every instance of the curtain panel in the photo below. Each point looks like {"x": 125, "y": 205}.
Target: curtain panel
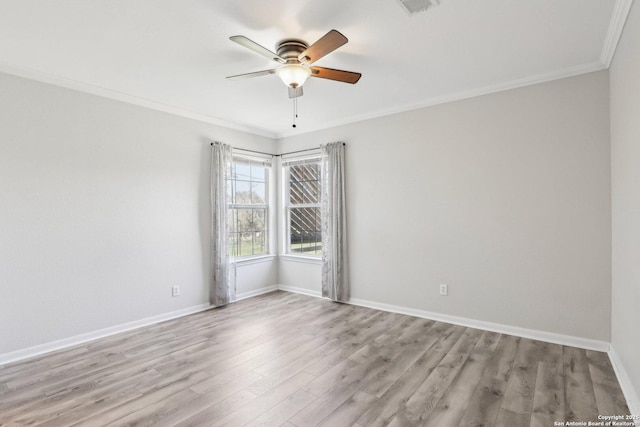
{"x": 335, "y": 280}
{"x": 222, "y": 288}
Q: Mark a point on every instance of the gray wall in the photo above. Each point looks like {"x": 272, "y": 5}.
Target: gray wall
{"x": 504, "y": 197}
{"x": 625, "y": 164}
{"x": 104, "y": 206}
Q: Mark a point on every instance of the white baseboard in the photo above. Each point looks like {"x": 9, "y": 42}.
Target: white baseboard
{"x": 625, "y": 383}
{"x": 39, "y": 349}
{"x": 303, "y": 291}
{"x": 585, "y": 343}
{"x": 568, "y": 340}
{"x": 494, "y": 327}
{"x": 256, "y": 292}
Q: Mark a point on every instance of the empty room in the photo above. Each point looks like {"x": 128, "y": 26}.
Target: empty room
{"x": 296, "y": 213}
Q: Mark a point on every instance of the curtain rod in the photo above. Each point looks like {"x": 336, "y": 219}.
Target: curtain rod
{"x": 302, "y": 151}
{"x": 276, "y": 155}
{"x": 252, "y": 151}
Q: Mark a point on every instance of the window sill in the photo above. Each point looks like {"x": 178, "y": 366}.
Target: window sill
{"x": 253, "y": 260}
{"x": 302, "y": 258}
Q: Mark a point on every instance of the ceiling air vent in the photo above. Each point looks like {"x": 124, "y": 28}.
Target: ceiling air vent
{"x": 416, "y": 6}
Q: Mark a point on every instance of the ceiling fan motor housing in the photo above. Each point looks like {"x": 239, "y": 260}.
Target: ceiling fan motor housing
{"x": 290, "y": 49}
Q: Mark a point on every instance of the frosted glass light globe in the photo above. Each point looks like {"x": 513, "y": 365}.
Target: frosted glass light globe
{"x": 293, "y": 75}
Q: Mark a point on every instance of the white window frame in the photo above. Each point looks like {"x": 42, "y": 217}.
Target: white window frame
{"x": 286, "y": 223}
{"x": 269, "y": 226}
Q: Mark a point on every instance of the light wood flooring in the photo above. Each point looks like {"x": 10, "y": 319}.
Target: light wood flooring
{"x": 283, "y": 359}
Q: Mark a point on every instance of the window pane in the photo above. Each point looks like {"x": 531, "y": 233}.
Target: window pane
{"x": 259, "y": 243}
{"x": 306, "y": 172}
{"x": 243, "y": 193}
{"x": 304, "y": 184}
{"x": 310, "y": 243}
{"x": 249, "y": 220}
{"x": 294, "y": 173}
{"x": 311, "y": 192}
{"x": 258, "y": 173}
{"x": 296, "y": 243}
{"x": 295, "y": 192}
{"x": 259, "y": 219}
{"x": 249, "y": 234}
{"x": 298, "y": 219}
{"x": 305, "y": 231}
{"x": 242, "y": 171}
{"x": 245, "y": 219}
{"x": 258, "y": 196}
{"x": 244, "y": 244}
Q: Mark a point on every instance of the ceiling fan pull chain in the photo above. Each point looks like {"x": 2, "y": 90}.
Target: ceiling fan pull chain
{"x": 295, "y": 111}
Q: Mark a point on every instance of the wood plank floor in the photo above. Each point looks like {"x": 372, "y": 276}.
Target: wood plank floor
{"x": 283, "y": 359}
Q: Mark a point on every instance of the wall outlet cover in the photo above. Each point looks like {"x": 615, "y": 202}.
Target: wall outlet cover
{"x": 444, "y": 289}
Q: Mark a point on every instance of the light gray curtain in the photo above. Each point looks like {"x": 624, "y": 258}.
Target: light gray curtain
{"x": 335, "y": 280}
{"x": 222, "y": 290}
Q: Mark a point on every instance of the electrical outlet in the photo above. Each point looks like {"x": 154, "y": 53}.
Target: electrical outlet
{"x": 444, "y": 290}
{"x": 175, "y": 291}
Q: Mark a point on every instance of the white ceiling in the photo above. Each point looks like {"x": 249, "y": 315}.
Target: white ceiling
{"x": 174, "y": 55}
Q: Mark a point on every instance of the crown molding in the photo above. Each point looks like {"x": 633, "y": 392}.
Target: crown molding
{"x": 127, "y": 98}
{"x": 181, "y": 112}
{"x": 458, "y": 96}
{"x": 616, "y": 25}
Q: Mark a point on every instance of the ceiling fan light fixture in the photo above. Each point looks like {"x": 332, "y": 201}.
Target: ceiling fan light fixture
{"x": 293, "y": 75}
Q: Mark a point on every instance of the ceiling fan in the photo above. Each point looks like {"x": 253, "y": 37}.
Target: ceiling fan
{"x": 295, "y": 58}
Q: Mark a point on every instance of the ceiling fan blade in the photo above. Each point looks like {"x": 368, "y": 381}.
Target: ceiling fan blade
{"x": 339, "y": 75}
{"x": 250, "y": 44}
{"x": 327, "y": 44}
{"x": 249, "y": 75}
{"x": 295, "y": 93}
